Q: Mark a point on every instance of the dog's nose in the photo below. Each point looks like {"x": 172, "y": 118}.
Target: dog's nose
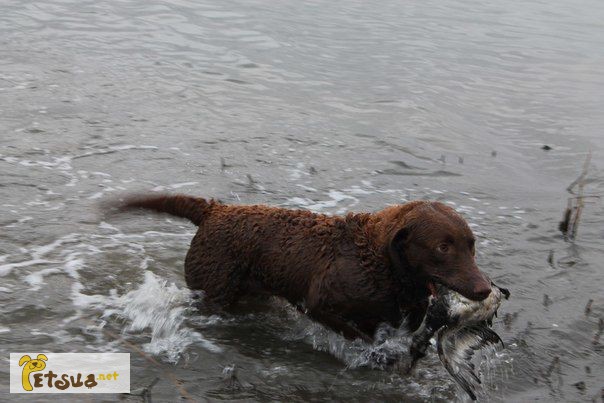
{"x": 479, "y": 294}
{"x": 34, "y": 364}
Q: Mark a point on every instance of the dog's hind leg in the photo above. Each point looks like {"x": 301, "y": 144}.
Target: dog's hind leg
{"x": 221, "y": 282}
{"x": 213, "y": 271}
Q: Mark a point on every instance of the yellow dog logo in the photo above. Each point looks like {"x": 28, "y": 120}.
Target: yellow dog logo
{"x": 31, "y": 366}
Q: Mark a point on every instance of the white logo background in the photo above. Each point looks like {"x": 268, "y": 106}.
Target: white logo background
{"x": 72, "y": 364}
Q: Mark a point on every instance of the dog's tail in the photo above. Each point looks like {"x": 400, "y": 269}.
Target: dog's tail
{"x": 193, "y": 208}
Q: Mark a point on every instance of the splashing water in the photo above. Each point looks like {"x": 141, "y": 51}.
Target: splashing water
{"x": 162, "y": 308}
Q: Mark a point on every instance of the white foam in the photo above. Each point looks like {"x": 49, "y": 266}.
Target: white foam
{"x": 96, "y": 195}
{"x": 336, "y": 197}
{"x": 298, "y": 172}
{"x": 5, "y": 269}
{"x": 392, "y": 342}
{"x": 358, "y": 191}
{"x": 81, "y": 300}
{"x": 173, "y": 186}
{"x": 37, "y": 257}
{"x": 39, "y": 251}
{"x": 36, "y": 279}
{"x": 73, "y": 264}
{"x": 308, "y": 188}
{"x": 107, "y": 226}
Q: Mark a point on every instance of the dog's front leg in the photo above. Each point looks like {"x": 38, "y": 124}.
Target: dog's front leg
{"x": 339, "y": 325}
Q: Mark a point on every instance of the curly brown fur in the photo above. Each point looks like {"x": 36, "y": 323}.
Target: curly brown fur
{"x": 350, "y": 273}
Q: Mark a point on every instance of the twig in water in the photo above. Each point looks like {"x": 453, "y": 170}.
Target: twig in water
{"x": 581, "y": 179}
{"x": 145, "y": 393}
{"x": 547, "y": 375}
{"x": 570, "y": 222}
{"x": 183, "y": 392}
{"x": 10, "y": 81}
{"x": 546, "y": 300}
{"x": 596, "y": 339}
{"x": 550, "y": 259}
{"x": 508, "y": 319}
{"x": 229, "y": 374}
{"x": 588, "y": 307}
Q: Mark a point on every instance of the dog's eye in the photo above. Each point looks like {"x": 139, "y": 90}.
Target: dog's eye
{"x": 442, "y": 248}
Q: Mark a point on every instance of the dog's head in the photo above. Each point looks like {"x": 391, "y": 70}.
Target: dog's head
{"x": 434, "y": 244}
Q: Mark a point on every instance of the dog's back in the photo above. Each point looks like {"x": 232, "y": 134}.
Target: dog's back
{"x": 239, "y": 248}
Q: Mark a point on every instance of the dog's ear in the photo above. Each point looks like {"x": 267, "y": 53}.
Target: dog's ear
{"x": 396, "y": 248}
{"x": 42, "y": 357}
{"x": 24, "y": 360}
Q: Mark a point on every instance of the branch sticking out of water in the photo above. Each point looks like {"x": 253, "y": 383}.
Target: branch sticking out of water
{"x": 570, "y": 221}
{"x": 547, "y": 374}
{"x": 588, "y": 307}
{"x": 599, "y": 332}
{"x": 183, "y": 392}
{"x": 145, "y": 392}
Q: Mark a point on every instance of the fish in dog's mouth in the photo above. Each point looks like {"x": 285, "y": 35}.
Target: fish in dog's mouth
{"x": 462, "y": 326}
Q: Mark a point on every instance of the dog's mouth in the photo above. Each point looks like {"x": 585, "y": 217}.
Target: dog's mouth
{"x": 437, "y": 289}
{"x": 432, "y": 288}
{"x": 476, "y": 288}
{"x": 431, "y": 291}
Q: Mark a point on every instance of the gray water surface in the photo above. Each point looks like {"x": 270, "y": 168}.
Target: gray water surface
{"x": 323, "y": 105}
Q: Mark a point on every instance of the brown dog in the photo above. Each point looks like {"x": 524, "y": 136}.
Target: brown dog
{"x": 349, "y": 273}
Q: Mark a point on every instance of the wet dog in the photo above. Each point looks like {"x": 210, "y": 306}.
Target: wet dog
{"x": 351, "y": 273}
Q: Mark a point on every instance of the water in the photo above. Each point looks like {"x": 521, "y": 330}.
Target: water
{"x": 328, "y": 106}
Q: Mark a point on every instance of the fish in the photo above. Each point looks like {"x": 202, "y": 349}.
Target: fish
{"x": 462, "y": 326}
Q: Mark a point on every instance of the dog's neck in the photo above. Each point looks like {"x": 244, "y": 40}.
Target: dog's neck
{"x": 412, "y": 297}
{"x": 369, "y": 229}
